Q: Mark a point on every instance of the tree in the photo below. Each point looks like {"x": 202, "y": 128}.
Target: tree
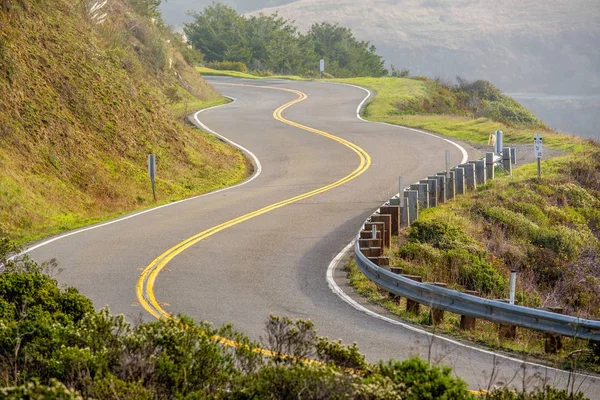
{"x": 220, "y": 33}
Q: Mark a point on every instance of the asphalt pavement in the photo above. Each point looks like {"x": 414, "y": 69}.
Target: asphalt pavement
{"x": 276, "y": 262}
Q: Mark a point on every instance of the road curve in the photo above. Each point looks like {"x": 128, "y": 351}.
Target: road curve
{"x": 276, "y": 262}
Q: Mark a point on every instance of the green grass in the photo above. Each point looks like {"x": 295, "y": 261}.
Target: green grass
{"x": 236, "y": 74}
{"x": 391, "y": 91}
{"x": 185, "y": 107}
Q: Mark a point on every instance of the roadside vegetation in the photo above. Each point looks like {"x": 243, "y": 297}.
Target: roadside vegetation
{"x": 87, "y": 94}
{"x": 54, "y": 345}
{"x": 272, "y": 45}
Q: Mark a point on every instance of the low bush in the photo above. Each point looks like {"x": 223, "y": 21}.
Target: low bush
{"x": 547, "y": 393}
{"x": 438, "y": 234}
{"x": 420, "y": 380}
{"x": 228, "y": 66}
{"x": 472, "y": 271}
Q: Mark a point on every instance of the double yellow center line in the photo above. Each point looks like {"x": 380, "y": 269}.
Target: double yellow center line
{"x": 146, "y": 281}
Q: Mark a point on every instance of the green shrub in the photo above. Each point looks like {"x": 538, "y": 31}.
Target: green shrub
{"x": 547, "y": 393}
{"x": 512, "y": 223}
{"x": 33, "y": 390}
{"x": 532, "y": 211}
{"x": 438, "y": 234}
{"x": 423, "y": 381}
{"x": 296, "y": 381}
{"x": 228, "y": 66}
{"x": 342, "y": 356}
{"x": 422, "y": 253}
{"x": 565, "y": 242}
{"x": 577, "y": 196}
{"x": 474, "y": 272}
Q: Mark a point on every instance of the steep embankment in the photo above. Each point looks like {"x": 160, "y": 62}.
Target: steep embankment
{"x": 85, "y": 98}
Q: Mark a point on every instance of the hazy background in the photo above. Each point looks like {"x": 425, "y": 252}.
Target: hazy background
{"x": 546, "y": 53}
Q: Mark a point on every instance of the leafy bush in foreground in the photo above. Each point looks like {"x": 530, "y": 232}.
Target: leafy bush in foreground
{"x": 53, "y": 345}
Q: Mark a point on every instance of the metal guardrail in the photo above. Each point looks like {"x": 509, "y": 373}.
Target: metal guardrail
{"x": 473, "y": 306}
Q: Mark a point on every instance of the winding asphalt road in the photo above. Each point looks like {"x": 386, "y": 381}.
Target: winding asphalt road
{"x": 276, "y": 262}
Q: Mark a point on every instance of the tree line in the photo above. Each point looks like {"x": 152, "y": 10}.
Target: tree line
{"x": 271, "y": 43}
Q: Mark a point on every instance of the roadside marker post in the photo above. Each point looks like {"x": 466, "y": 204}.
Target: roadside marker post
{"x": 322, "y": 67}
{"x": 538, "y": 150}
{"x": 152, "y": 172}
{"x": 513, "y": 286}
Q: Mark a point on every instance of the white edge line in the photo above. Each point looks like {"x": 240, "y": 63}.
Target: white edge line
{"x": 360, "y": 106}
{"x": 347, "y": 299}
{"x": 257, "y": 172}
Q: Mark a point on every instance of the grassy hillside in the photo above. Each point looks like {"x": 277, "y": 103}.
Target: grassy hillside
{"x": 469, "y": 111}
{"x": 85, "y": 99}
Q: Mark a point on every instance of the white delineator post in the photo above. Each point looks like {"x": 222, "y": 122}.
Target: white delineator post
{"x": 513, "y": 286}
{"x": 538, "y": 149}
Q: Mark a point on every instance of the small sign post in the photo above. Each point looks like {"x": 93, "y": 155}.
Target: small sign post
{"x": 322, "y": 67}
{"x": 538, "y": 152}
{"x": 152, "y": 172}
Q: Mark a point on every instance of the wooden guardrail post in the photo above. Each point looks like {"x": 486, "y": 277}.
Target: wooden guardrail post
{"x": 506, "y": 163}
{"x": 394, "y": 212}
{"x": 489, "y": 165}
{"x": 552, "y": 342}
{"x": 470, "y": 179}
{"x": 480, "y": 172}
{"x": 433, "y": 192}
{"x": 411, "y": 305}
{"x": 451, "y": 185}
{"x": 412, "y": 204}
{"x": 460, "y": 180}
{"x": 468, "y": 323}
{"x": 436, "y": 315}
{"x": 506, "y": 331}
{"x": 386, "y": 219}
{"x": 441, "y": 187}
{"x": 423, "y": 194}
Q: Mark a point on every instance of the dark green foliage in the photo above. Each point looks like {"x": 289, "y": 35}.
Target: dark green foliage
{"x": 272, "y": 44}
{"x": 423, "y": 381}
{"x": 438, "y": 234}
{"x": 344, "y": 55}
{"x": 548, "y": 393}
{"x": 436, "y": 245}
{"x": 53, "y": 345}
{"x": 228, "y": 66}
{"x": 342, "y": 356}
{"x": 33, "y": 390}
{"x": 476, "y": 99}
{"x": 472, "y": 271}
{"x": 297, "y": 381}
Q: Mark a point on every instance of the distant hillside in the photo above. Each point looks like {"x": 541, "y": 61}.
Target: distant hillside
{"x": 519, "y": 45}
{"x": 85, "y": 95}
{"x": 174, "y": 11}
